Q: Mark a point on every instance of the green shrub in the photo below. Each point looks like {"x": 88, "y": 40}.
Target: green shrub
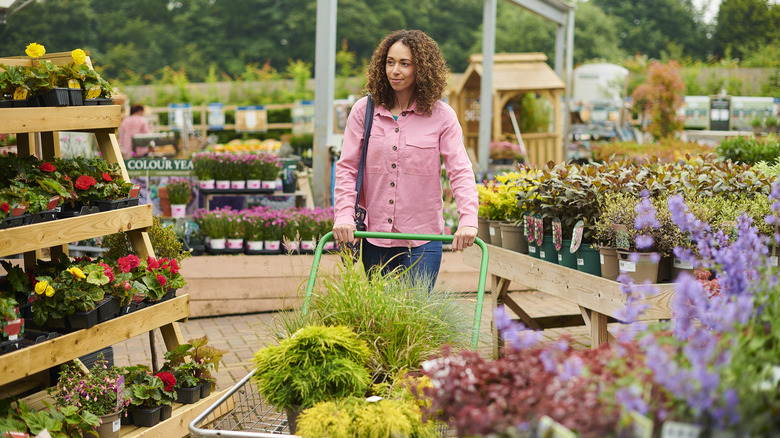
{"x": 403, "y": 323}
{"x": 666, "y": 150}
{"x": 750, "y": 151}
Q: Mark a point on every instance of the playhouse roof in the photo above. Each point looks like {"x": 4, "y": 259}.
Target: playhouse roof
{"x": 513, "y": 72}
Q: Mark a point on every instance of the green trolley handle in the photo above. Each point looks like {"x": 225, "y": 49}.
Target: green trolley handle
{"x": 404, "y": 236}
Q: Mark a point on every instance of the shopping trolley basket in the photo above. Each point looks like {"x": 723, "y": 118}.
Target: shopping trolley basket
{"x": 242, "y": 411}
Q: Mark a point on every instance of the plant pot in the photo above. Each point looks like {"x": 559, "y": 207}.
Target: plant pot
{"x": 565, "y": 256}
{"x": 108, "y": 309}
{"x": 643, "y": 270}
{"x": 178, "y": 210}
{"x": 679, "y": 266}
{"x": 110, "y": 425}
{"x": 237, "y": 185}
{"x": 55, "y": 97}
{"x": 274, "y": 246}
{"x": 75, "y": 98}
{"x": 547, "y": 250}
{"x": 253, "y": 184}
{"x": 206, "y": 184}
{"x": 146, "y": 417}
{"x": 665, "y": 270}
{"x": 205, "y": 389}
{"x": 235, "y": 243}
{"x": 495, "y": 233}
{"x": 483, "y": 229}
{"x": 533, "y": 250}
{"x": 165, "y": 412}
{"x": 217, "y": 243}
{"x": 588, "y": 260}
{"x": 268, "y": 185}
{"x": 292, "y": 418}
{"x": 609, "y": 263}
{"x": 512, "y": 238}
{"x": 291, "y": 246}
{"x": 223, "y": 184}
{"x": 83, "y": 320}
{"x": 308, "y": 245}
{"x": 254, "y": 245}
{"x": 188, "y": 395}
{"x": 127, "y": 418}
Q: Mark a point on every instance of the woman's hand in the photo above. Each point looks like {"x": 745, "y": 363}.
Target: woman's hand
{"x": 345, "y": 233}
{"x": 464, "y": 238}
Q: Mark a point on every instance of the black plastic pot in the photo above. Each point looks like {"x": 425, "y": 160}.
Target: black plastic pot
{"x": 166, "y": 412}
{"x": 146, "y": 417}
{"x": 188, "y": 395}
{"x": 115, "y": 204}
{"x": 75, "y": 96}
{"x": 55, "y": 97}
{"x": 108, "y": 309}
{"x": 83, "y": 320}
{"x": 205, "y": 389}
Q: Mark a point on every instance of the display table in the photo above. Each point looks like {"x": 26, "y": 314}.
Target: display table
{"x": 599, "y": 299}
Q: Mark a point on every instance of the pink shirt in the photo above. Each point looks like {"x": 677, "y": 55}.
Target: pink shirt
{"x": 402, "y": 189}
{"x": 130, "y": 126}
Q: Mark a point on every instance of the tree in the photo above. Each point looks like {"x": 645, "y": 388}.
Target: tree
{"x": 744, "y": 26}
{"x": 661, "y": 96}
{"x": 649, "y": 27}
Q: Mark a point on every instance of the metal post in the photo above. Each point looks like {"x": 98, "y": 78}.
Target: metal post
{"x": 325, "y": 77}
{"x": 486, "y": 84}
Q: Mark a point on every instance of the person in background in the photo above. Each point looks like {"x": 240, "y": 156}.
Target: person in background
{"x": 412, "y": 132}
{"x": 133, "y": 124}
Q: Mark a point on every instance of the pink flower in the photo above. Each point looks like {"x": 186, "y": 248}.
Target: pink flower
{"x": 47, "y": 167}
{"x": 126, "y": 264}
{"x": 84, "y": 182}
{"x": 152, "y": 263}
{"x": 106, "y": 177}
{"x": 161, "y": 278}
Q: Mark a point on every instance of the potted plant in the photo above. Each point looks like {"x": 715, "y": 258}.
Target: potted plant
{"x": 13, "y": 85}
{"x": 254, "y": 171}
{"x": 757, "y": 123}
{"x": 192, "y": 364}
{"x": 68, "y": 421}
{"x": 254, "y": 229}
{"x": 11, "y": 325}
{"x": 237, "y": 171}
{"x": 771, "y": 123}
{"x": 100, "y": 391}
{"x": 215, "y": 225}
{"x": 150, "y": 395}
{"x": 316, "y": 364}
{"x": 155, "y": 279}
{"x": 179, "y": 193}
{"x": 203, "y": 166}
{"x": 73, "y": 293}
{"x": 271, "y": 167}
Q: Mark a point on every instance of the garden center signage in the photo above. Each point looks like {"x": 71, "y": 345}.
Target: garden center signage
{"x": 158, "y": 166}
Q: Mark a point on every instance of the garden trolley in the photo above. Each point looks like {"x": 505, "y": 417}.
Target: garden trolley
{"x": 242, "y": 412}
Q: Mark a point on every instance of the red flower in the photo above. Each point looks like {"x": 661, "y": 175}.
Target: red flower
{"x": 161, "y": 278}
{"x": 168, "y": 380}
{"x": 127, "y": 264}
{"x": 174, "y": 267}
{"x": 84, "y": 182}
{"x": 106, "y": 177}
{"x": 67, "y": 178}
{"x": 152, "y": 263}
{"x": 6, "y": 208}
{"x": 108, "y": 270}
{"x": 47, "y": 167}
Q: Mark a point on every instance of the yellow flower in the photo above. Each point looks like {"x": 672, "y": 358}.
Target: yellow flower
{"x": 76, "y": 272}
{"x": 79, "y": 57}
{"x": 49, "y": 291}
{"x": 40, "y": 287}
{"x": 35, "y": 50}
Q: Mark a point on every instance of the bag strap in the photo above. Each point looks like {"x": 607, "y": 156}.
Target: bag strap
{"x": 369, "y": 120}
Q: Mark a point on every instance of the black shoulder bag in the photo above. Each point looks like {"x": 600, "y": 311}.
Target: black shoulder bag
{"x": 360, "y": 213}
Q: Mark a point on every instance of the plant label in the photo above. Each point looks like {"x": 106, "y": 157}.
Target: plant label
{"x": 557, "y": 234}
{"x": 621, "y": 237}
{"x": 576, "y": 236}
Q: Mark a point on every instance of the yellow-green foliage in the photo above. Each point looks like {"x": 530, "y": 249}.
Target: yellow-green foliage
{"x": 356, "y": 418}
{"x": 498, "y": 199}
{"x": 317, "y": 363}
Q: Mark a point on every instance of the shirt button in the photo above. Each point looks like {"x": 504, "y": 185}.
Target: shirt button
{"x": 403, "y": 113}
{"x": 393, "y": 165}
{"x": 396, "y": 129}
{"x": 391, "y": 201}
{"x": 390, "y": 221}
{"x": 395, "y": 148}
{"x": 392, "y": 184}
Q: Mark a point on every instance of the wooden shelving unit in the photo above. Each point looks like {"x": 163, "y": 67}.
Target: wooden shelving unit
{"x": 41, "y": 126}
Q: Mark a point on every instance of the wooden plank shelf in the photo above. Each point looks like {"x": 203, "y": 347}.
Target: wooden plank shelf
{"x": 600, "y": 300}
{"x": 67, "y": 118}
{"x": 30, "y": 360}
{"x": 63, "y": 231}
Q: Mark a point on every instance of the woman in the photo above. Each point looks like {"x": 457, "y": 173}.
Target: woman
{"x": 413, "y": 130}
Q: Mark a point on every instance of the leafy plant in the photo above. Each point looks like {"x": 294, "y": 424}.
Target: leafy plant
{"x": 66, "y": 422}
{"x": 77, "y": 288}
{"x": 179, "y": 191}
{"x": 402, "y": 322}
{"x": 98, "y": 391}
{"x": 315, "y": 364}
{"x": 661, "y": 96}
{"x": 148, "y": 390}
{"x": 203, "y": 359}
{"x": 165, "y": 241}
{"x": 750, "y": 151}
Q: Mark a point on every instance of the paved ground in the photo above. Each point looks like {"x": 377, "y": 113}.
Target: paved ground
{"x": 242, "y": 335}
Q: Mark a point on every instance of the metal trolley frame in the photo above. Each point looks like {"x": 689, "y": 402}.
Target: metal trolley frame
{"x": 243, "y": 413}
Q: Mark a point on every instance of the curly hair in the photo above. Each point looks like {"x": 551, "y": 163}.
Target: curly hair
{"x": 430, "y": 75}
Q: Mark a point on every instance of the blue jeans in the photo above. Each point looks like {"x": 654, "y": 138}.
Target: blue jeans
{"x": 424, "y": 260}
